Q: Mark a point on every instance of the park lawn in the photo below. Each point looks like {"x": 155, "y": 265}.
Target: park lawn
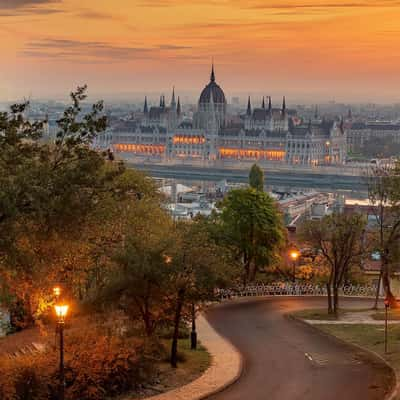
{"x": 322, "y": 313}
{"x": 393, "y": 315}
{"x": 191, "y": 365}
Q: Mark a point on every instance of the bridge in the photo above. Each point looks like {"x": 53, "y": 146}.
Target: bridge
{"x": 293, "y": 178}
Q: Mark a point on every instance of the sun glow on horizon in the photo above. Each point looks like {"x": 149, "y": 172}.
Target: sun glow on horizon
{"x": 296, "y": 46}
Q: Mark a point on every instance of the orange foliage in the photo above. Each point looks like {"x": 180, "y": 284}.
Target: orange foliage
{"x": 96, "y": 366}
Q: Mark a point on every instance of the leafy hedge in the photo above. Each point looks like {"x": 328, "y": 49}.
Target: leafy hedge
{"x": 96, "y": 366}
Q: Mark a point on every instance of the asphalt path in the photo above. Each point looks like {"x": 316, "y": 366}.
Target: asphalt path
{"x": 287, "y": 360}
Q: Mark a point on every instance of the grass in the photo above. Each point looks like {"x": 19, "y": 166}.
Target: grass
{"x": 191, "y": 365}
{"x": 371, "y": 337}
{"x": 322, "y": 313}
{"x": 393, "y": 315}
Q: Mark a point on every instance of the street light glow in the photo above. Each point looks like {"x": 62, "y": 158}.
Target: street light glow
{"x": 294, "y": 254}
{"x": 168, "y": 259}
{"x": 57, "y": 291}
{"x": 61, "y": 311}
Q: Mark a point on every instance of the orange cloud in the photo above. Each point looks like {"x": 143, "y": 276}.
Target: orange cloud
{"x": 334, "y": 47}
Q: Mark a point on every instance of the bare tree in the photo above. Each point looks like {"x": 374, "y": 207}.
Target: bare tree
{"x": 384, "y": 196}
{"x": 338, "y": 239}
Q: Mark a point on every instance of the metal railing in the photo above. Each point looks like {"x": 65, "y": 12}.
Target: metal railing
{"x": 294, "y": 289}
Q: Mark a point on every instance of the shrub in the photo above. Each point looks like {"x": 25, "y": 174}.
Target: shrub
{"x": 96, "y": 367}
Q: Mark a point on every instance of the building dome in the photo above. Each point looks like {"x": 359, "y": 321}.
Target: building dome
{"x": 212, "y": 89}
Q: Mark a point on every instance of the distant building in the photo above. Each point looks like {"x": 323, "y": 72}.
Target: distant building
{"x": 261, "y": 134}
{"x": 360, "y": 133}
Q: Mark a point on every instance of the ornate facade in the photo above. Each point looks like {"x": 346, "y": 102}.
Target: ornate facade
{"x": 263, "y": 134}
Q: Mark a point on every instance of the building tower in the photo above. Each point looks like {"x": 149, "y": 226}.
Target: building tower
{"x": 214, "y": 91}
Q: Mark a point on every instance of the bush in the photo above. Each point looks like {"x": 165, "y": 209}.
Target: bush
{"x": 96, "y": 366}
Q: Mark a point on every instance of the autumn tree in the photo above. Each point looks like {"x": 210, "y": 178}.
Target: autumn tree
{"x": 59, "y": 204}
{"x": 139, "y": 283}
{"x": 250, "y": 224}
{"x": 197, "y": 267}
{"x": 256, "y": 178}
{"x": 384, "y": 196}
{"x": 338, "y": 239}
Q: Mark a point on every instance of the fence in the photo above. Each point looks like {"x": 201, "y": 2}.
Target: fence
{"x": 294, "y": 289}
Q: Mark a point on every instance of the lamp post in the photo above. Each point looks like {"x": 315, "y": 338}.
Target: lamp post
{"x": 61, "y": 312}
{"x": 193, "y": 333}
{"x": 294, "y": 255}
{"x": 386, "y": 324}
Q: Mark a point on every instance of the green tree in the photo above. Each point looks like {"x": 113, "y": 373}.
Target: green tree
{"x": 140, "y": 283}
{"x": 338, "y": 238}
{"x": 60, "y": 204}
{"x": 256, "y": 178}
{"x": 384, "y": 196}
{"x": 251, "y": 225}
{"x": 197, "y": 267}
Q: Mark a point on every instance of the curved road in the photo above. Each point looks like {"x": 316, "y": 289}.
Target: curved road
{"x": 286, "y": 360}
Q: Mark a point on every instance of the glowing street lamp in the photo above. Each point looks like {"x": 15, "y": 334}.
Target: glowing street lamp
{"x": 168, "y": 259}
{"x": 61, "y": 312}
{"x": 294, "y": 255}
{"x": 57, "y": 291}
{"x": 387, "y": 304}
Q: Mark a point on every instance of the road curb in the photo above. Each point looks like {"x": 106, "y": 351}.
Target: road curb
{"x": 394, "y": 390}
{"x": 225, "y": 369}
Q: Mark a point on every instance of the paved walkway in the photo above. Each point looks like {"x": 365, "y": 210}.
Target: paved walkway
{"x": 226, "y": 367}
{"x": 353, "y": 318}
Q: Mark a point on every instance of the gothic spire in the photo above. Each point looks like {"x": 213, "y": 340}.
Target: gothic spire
{"x": 316, "y": 112}
{"x": 284, "y": 104}
{"x": 269, "y": 104}
{"x": 145, "y": 108}
{"x": 178, "y": 107}
{"x": 173, "y": 103}
{"x": 212, "y": 78}
{"x": 263, "y": 103}
{"x": 160, "y": 101}
{"x": 248, "y": 112}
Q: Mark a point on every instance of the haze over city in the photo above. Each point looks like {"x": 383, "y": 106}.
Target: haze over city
{"x": 310, "y": 50}
{"x": 199, "y": 199}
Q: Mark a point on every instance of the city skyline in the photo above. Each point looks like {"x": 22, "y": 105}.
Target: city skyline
{"x": 307, "y": 50}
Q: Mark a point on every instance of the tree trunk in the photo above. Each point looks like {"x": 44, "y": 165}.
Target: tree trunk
{"x": 193, "y": 333}
{"x": 386, "y": 283}
{"x": 246, "y": 271}
{"x": 329, "y": 293}
{"x": 177, "y": 320}
{"x": 252, "y": 272}
{"x": 336, "y": 301}
{"x": 148, "y": 324}
{"x": 378, "y": 289}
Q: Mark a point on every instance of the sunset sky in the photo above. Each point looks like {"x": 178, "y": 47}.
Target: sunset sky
{"x": 306, "y": 49}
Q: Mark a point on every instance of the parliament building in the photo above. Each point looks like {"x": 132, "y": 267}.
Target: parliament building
{"x": 264, "y": 134}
